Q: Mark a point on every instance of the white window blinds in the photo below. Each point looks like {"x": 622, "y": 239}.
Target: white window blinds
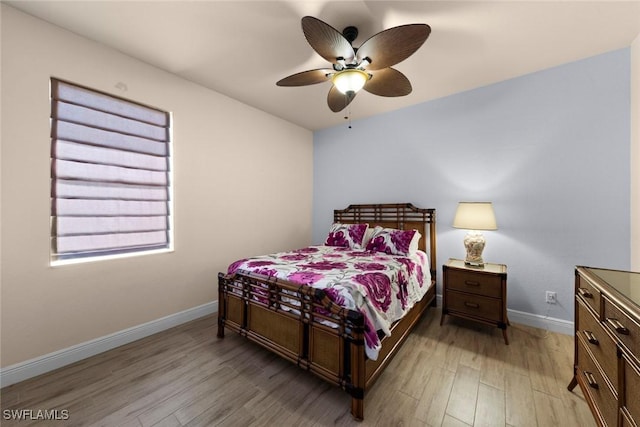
{"x": 109, "y": 174}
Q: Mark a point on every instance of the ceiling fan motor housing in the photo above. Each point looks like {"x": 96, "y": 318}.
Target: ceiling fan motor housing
{"x": 350, "y": 33}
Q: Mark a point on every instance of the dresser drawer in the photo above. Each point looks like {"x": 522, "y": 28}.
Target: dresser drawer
{"x": 625, "y": 421}
{"x": 596, "y": 386}
{"x": 631, "y": 396}
{"x": 475, "y": 305}
{"x": 589, "y": 293}
{"x": 622, "y": 326}
{"x": 475, "y": 283}
{"x": 599, "y": 342}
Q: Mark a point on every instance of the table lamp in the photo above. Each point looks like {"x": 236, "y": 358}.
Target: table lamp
{"x": 475, "y": 216}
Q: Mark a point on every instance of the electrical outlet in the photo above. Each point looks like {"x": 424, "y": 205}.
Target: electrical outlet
{"x": 551, "y": 297}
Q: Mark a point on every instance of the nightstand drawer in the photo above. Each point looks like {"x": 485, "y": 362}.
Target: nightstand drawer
{"x": 474, "y": 282}
{"x": 598, "y": 341}
{"x": 475, "y": 305}
{"x": 596, "y": 386}
{"x": 622, "y": 326}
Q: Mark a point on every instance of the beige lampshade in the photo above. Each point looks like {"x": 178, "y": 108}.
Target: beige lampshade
{"x": 475, "y": 216}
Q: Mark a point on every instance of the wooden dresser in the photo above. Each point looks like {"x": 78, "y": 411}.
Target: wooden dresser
{"x": 607, "y": 344}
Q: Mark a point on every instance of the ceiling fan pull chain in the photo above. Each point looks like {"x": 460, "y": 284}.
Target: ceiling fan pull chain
{"x": 348, "y": 116}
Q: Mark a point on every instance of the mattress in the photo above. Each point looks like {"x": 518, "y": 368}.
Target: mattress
{"x": 383, "y": 287}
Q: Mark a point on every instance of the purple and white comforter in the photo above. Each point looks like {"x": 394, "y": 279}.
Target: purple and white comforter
{"x": 382, "y": 287}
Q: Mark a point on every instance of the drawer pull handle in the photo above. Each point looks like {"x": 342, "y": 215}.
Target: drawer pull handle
{"x": 591, "y": 338}
{"x": 619, "y": 327}
{"x": 591, "y": 380}
{"x": 471, "y": 304}
{"x": 471, "y": 283}
{"x": 585, "y": 293}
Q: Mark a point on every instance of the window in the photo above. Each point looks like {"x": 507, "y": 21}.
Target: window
{"x": 110, "y": 182}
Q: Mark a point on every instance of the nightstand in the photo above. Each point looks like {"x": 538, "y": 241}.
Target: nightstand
{"x": 476, "y": 293}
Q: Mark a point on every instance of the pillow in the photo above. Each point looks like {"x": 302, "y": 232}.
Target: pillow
{"x": 413, "y": 247}
{"x": 346, "y": 235}
{"x": 394, "y": 242}
{"x": 368, "y": 235}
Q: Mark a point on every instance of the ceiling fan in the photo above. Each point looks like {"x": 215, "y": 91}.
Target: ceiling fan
{"x": 367, "y": 67}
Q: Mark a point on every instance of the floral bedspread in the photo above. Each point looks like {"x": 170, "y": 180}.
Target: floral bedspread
{"x": 382, "y": 287}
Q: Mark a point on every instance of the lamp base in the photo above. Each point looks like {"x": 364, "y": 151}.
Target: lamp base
{"x": 474, "y": 243}
{"x": 474, "y": 264}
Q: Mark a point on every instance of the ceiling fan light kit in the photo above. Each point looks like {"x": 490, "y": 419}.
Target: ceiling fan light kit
{"x": 350, "y": 80}
{"x": 367, "y": 67}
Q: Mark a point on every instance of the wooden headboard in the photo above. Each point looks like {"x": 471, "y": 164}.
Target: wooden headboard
{"x": 402, "y": 216}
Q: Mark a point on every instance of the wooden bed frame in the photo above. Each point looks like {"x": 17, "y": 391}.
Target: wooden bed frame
{"x": 336, "y": 355}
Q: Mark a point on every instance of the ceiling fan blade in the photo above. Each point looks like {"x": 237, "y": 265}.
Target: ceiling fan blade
{"x": 388, "y": 82}
{"x": 326, "y": 40}
{"x": 305, "y": 78}
{"x": 394, "y": 45}
{"x": 337, "y": 100}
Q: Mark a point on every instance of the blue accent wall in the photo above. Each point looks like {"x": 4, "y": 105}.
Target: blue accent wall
{"x": 550, "y": 149}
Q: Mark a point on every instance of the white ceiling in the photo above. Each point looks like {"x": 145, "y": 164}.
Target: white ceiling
{"x": 241, "y": 48}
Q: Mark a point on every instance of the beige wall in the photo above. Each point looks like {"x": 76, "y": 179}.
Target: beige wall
{"x": 243, "y": 186}
{"x": 635, "y": 154}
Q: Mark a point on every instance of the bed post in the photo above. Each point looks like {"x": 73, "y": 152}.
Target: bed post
{"x": 221, "y": 307}
{"x": 432, "y": 253}
{"x": 358, "y": 372}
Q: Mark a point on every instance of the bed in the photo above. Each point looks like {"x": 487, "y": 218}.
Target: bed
{"x": 310, "y": 324}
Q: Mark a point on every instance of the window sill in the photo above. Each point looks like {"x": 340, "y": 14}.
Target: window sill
{"x": 59, "y": 263}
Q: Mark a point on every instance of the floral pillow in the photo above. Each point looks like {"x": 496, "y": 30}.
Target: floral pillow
{"x": 346, "y": 235}
{"x": 394, "y": 242}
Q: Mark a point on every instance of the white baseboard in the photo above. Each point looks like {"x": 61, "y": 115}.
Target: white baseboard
{"x": 40, "y": 365}
{"x": 542, "y": 322}
{"x": 535, "y": 320}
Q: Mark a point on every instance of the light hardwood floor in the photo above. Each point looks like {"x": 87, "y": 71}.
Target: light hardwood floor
{"x": 460, "y": 374}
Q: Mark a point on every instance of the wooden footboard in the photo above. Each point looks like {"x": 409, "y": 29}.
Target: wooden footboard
{"x": 286, "y": 319}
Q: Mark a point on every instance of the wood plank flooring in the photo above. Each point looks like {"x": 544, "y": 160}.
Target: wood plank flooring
{"x": 460, "y": 374}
